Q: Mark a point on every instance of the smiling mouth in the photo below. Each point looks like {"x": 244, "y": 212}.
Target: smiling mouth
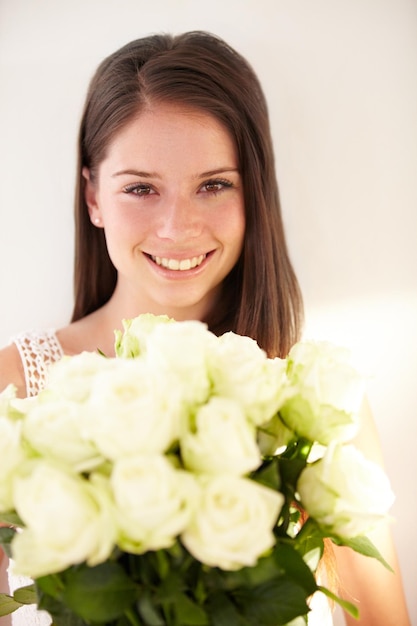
{"x": 179, "y": 265}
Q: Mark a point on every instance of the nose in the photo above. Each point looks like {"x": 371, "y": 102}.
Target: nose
{"x": 180, "y": 220}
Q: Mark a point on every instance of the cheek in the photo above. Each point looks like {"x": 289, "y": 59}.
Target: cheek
{"x": 122, "y": 235}
{"x": 241, "y": 226}
{"x": 124, "y": 222}
{"x": 232, "y": 229}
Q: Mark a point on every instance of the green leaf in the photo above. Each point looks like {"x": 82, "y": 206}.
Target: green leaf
{"x": 347, "y": 606}
{"x": 51, "y": 585}
{"x": 100, "y": 593}
{"x": 61, "y": 614}
{"x": 266, "y": 569}
{"x": 8, "y": 604}
{"x": 223, "y": 612}
{"x": 363, "y": 545}
{"x": 295, "y": 567}
{"x": 23, "y": 595}
{"x": 10, "y": 518}
{"x": 49, "y": 591}
{"x": 188, "y": 613}
{"x": 170, "y": 587}
{"x": 26, "y": 595}
{"x": 274, "y": 604}
{"x": 310, "y": 544}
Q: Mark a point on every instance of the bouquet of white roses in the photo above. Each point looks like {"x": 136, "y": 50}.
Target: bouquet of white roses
{"x": 165, "y": 486}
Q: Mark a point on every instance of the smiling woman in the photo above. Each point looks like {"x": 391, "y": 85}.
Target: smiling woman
{"x": 177, "y": 212}
{"x": 196, "y": 143}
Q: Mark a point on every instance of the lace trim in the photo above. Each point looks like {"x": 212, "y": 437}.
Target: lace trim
{"x": 38, "y": 350}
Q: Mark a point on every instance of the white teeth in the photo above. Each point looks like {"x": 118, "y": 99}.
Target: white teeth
{"x": 185, "y": 264}
{"x": 175, "y": 264}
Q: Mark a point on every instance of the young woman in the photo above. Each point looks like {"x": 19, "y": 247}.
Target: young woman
{"x": 177, "y": 213}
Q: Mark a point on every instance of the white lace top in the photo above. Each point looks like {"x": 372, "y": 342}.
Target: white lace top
{"x": 37, "y": 351}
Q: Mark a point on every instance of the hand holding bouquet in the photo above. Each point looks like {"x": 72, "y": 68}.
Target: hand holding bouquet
{"x": 165, "y": 486}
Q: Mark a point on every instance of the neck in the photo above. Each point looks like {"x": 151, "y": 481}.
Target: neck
{"x": 125, "y": 305}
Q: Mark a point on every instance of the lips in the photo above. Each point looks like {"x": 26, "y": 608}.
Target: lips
{"x": 179, "y": 265}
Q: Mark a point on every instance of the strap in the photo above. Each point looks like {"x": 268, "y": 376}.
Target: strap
{"x": 38, "y": 350}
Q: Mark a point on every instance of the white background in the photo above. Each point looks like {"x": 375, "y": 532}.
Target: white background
{"x": 341, "y": 80}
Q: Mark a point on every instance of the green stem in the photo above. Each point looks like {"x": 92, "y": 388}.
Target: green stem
{"x": 132, "y": 617}
{"x": 303, "y": 449}
{"x": 283, "y": 527}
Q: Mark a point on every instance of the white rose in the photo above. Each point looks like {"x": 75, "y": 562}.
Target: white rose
{"x": 66, "y": 521}
{"x": 153, "y": 502}
{"x": 274, "y": 436}
{"x": 55, "y": 427}
{"x": 327, "y": 393}
{"x": 223, "y": 442}
{"x": 12, "y": 453}
{"x": 132, "y": 341}
{"x": 178, "y": 354}
{"x": 71, "y": 377}
{"x": 128, "y": 413}
{"x": 12, "y": 407}
{"x": 240, "y": 369}
{"x": 11, "y": 457}
{"x": 345, "y": 492}
{"x": 233, "y": 522}
{"x": 6, "y": 396}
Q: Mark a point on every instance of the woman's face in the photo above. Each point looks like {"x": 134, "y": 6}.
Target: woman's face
{"x": 169, "y": 197}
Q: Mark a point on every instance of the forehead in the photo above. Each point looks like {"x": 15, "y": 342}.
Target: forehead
{"x": 172, "y": 129}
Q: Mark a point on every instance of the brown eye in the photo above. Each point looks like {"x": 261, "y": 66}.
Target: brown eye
{"x": 216, "y": 186}
{"x": 139, "y": 189}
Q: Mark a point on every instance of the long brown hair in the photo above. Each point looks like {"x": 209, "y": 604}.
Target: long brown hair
{"x": 260, "y": 297}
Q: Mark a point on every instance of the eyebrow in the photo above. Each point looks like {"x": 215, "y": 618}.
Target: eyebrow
{"x": 219, "y": 170}
{"x": 136, "y": 173}
{"x": 142, "y": 174}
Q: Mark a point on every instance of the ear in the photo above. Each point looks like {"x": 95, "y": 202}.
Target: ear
{"x": 90, "y": 196}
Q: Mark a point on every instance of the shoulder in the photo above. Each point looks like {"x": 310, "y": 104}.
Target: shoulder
{"x": 11, "y": 370}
